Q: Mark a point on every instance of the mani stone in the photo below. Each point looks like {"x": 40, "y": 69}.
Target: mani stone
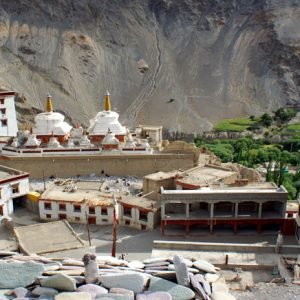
{"x": 73, "y": 296}
{"x": 93, "y": 289}
{"x": 43, "y": 291}
{"x": 182, "y": 275}
{"x": 211, "y": 277}
{"x": 205, "y": 284}
{"x": 60, "y": 282}
{"x": 204, "y": 266}
{"x": 222, "y": 296}
{"x": 154, "y": 296}
{"x": 20, "y": 292}
{"x": 134, "y": 282}
{"x": 110, "y": 296}
{"x": 155, "y": 260}
{"x": 13, "y": 275}
{"x": 135, "y": 264}
{"x": 91, "y": 268}
{"x": 178, "y": 292}
{"x": 198, "y": 288}
{"x": 121, "y": 291}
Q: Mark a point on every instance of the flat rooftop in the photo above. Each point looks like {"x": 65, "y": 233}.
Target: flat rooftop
{"x": 80, "y": 192}
{"x": 204, "y": 175}
{"x": 7, "y": 174}
{"x": 162, "y": 175}
{"x": 140, "y": 202}
{"x": 47, "y": 238}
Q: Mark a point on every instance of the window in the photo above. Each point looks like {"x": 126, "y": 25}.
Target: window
{"x": 92, "y": 210}
{"x": 77, "y": 219}
{"x": 47, "y": 206}
{"x": 15, "y": 188}
{"x": 77, "y": 208}
{"x": 48, "y": 216}
{"x": 104, "y": 211}
{"x": 127, "y": 211}
{"x": 2, "y": 101}
{"x": 3, "y": 111}
{"x": 143, "y": 227}
{"x": 127, "y": 222}
{"x": 143, "y": 216}
{"x": 62, "y": 216}
{"x": 62, "y": 207}
{"x": 4, "y": 123}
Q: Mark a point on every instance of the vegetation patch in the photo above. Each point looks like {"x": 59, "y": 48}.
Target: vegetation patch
{"x": 236, "y": 124}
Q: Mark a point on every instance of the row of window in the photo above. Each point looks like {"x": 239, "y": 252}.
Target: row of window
{"x": 91, "y": 220}
{"x": 143, "y": 214}
{"x": 76, "y": 208}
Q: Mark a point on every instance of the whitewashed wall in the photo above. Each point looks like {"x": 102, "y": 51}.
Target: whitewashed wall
{"x": 12, "y": 127}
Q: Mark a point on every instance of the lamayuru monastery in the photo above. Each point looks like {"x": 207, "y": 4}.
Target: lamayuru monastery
{"x": 52, "y": 135}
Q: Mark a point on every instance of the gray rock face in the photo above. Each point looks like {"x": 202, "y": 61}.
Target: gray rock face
{"x": 60, "y": 282}
{"x": 251, "y": 64}
{"x": 27, "y": 274}
{"x": 177, "y": 291}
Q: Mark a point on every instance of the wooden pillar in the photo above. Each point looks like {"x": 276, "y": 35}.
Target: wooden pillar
{"x": 236, "y": 210}
{"x": 260, "y": 210}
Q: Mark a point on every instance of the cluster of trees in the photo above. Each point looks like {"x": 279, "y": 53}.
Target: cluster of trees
{"x": 250, "y": 153}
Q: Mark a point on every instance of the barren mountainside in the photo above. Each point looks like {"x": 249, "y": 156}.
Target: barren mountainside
{"x": 179, "y": 63}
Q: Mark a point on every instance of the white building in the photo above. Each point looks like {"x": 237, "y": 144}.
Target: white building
{"x": 77, "y": 202}
{"x": 14, "y": 184}
{"x": 8, "y": 119}
{"x": 139, "y": 212}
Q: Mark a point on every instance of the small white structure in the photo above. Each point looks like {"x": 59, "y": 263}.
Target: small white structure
{"x": 8, "y": 118}
{"x": 13, "y": 184}
{"x": 106, "y": 120}
{"x": 78, "y": 202}
{"x": 50, "y": 123}
{"x": 139, "y": 212}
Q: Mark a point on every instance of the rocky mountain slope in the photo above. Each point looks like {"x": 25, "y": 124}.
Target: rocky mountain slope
{"x": 183, "y": 64}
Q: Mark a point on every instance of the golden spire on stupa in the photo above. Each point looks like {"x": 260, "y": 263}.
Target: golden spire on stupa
{"x": 107, "y": 105}
{"x": 49, "y": 107}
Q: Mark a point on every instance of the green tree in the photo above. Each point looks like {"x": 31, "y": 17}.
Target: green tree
{"x": 266, "y": 119}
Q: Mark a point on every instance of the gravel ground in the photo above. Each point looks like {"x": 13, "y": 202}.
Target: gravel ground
{"x": 270, "y": 291}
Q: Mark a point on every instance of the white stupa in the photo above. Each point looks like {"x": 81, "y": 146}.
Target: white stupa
{"x": 106, "y": 120}
{"x": 49, "y": 123}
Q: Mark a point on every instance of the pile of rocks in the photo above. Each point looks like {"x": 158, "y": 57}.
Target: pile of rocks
{"x": 105, "y": 277}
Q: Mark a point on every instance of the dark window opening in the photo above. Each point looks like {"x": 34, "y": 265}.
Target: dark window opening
{"x": 92, "y": 210}
{"x": 62, "y": 207}
{"x": 127, "y": 211}
{"x": 77, "y": 208}
{"x": 104, "y": 211}
{"x": 47, "y": 206}
{"x": 143, "y": 216}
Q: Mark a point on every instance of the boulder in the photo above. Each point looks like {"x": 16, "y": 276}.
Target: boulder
{"x": 27, "y": 273}
{"x": 155, "y": 260}
{"x": 178, "y": 292}
{"x": 110, "y": 296}
{"x": 73, "y": 296}
{"x": 198, "y": 288}
{"x": 182, "y": 274}
{"x": 205, "y": 266}
{"x": 60, "y": 282}
{"x": 134, "y": 282}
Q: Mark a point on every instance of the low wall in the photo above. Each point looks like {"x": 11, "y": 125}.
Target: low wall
{"x": 121, "y": 165}
{"x": 226, "y": 247}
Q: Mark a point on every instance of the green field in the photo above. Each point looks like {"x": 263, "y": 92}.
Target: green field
{"x": 236, "y": 124}
{"x": 293, "y": 127}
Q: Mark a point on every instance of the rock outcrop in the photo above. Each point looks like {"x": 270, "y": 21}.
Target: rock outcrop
{"x": 183, "y": 64}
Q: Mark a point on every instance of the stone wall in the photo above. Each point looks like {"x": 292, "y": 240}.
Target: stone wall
{"x": 67, "y": 166}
